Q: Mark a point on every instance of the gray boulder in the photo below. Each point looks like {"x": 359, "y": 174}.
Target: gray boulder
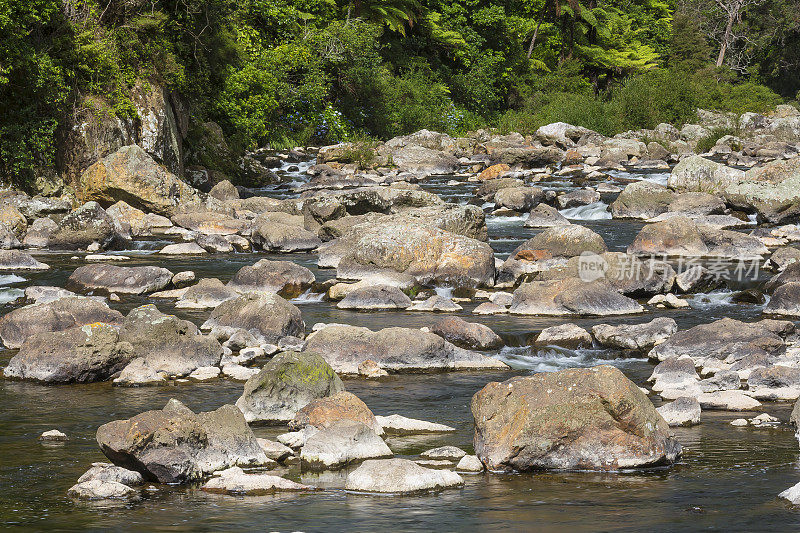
{"x": 635, "y": 337}
{"x": 571, "y": 296}
{"x": 545, "y": 216}
{"x": 375, "y": 297}
{"x": 566, "y": 336}
{"x": 394, "y": 349}
{"x": 468, "y": 335}
{"x": 267, "y": 316}
{"x": 107, "y": 279}
{"x": 175, "y": 445}
{"x": 83, "y": 226}
{"x": 83, "y": 354}
{"x": 57, "y": 315}
{"x": 286, "y": 278}
{"x": 16, "y": 260}
{"x": 684, "y": 411}
{"x": 342, "y": 443}
{"x": 399, "y": 476}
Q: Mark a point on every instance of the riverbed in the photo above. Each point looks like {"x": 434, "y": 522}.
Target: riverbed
{"x": 728, "y": 478}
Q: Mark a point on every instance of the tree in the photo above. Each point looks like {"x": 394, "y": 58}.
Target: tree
{"x": 733, "y": 10}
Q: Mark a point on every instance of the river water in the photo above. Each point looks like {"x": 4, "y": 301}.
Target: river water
{"x": 728, "y": 479}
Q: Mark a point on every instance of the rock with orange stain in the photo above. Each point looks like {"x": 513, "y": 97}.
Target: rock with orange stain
{"x": 130, "y": 174}
{"x": 581, "y": 418}
{"x": 494, "y": 171}
{"x": 83, "y": 354}
{"x": 323, "y": 412}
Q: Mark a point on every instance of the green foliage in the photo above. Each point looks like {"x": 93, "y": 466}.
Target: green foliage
{"x": 709, "y": 141}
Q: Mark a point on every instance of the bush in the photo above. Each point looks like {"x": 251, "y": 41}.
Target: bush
{"x": 658, "y": 96}
{"x": 577, "y": 109}
{"x": 708, "y": 142}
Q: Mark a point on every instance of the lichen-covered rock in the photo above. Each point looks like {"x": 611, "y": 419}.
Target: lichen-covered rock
{"x": 83, "y": 354}
{"x": 97, "y": 489}
{"x": 56, "y": 315}
{"x": 642, "y": 200}
{"x": 175, "y": 445}
{"x": 109, "y": 472}
{"x": 285, "y": 385}
{"x": 696, "y": 173}
{"x": 592, "y": 418}
{"x": 394, "y": 349}
{"x": 107, "y": 279}
{"x": 130, "y": 174}
{"x": 427, "y": 253}
{"x": 266, "y": 316}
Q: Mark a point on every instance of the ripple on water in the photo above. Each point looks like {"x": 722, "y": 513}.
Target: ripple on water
{"x": 593, "y": 211}
{"x": 552, "y": 358}
{"x": 8, "y": 279}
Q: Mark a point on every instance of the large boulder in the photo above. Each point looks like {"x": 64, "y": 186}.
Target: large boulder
{"x": 571, "y": 296}
{"x": 131, "y": 175}
{"x": 107, "y": 279}
{"x": 773, "y": 191}
{"x": 643, "y": 200}
{"x": 519, "y": 198}
{"x": 83, "y": 226}
{"x": 79, "y": 355}
{"x": 427, "y": 253}
{"x": 568, "y": 336}
{"x": 725, "y": 340}
{"x": 286, "y": 384}
{"x": 266, "y": 316}
{"x": 286, "y": 278}
{"x": 696, "y": 173}
{"x": 175, "y": 445}
{"x": 468, "y": 335}
{"x": 399, "y": 476}
{"x": 681, "y": 236}
{"x": 777, "y": 382}
{"x": 527, "y": 156}
{"x": 56, "y": 315}
{"x": 561, "y": 134}
{"x": 590, "y": 418}
{"x": 208, "y": 293}
{"x": 166, "y": 345}
{"x": 375, "y": 297}
{"x": 395, "y": 349}
{"x": 424, "y": 161}
{"x": 785, "y": 301}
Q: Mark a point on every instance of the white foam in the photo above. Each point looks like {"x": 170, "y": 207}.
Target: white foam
{"x": 309, "y": 297}
{"x": 593, "y": 211}
{"x": 552, "y": 359}
{"x": 9, "y": 295}
{"x": 8, "y": 279}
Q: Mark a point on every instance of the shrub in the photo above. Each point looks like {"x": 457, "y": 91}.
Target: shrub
{"x": 709, "y": 141}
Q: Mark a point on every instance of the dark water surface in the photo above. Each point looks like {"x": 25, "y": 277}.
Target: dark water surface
{"x": 728, "y": 479}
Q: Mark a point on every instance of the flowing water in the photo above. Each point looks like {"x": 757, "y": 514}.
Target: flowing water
{"x": 728, "y": 478}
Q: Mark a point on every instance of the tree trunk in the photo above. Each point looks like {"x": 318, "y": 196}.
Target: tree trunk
{"x": 726, "y": 38}
{"x": 533, "y": 40}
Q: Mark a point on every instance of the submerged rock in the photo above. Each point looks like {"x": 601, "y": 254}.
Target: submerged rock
{"x": 399, "y": 476}
{"x": 396, "y": 349}
{"x": 285, "y": 385}
{"x": 593, "y": 418}
{"x": 175, "y": 445}
{"x": 450, "y": 453}
{"x": 235, "y": 481}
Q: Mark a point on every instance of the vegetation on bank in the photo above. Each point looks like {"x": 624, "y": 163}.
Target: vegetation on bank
{"x": 291, "y": 72}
